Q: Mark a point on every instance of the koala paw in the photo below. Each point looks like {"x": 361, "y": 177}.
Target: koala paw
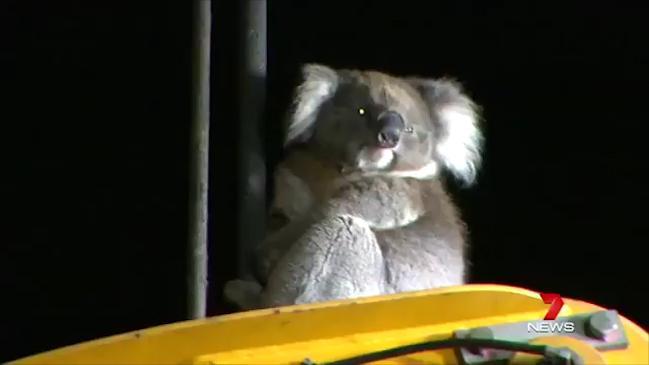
{"x": 243, "y": 293}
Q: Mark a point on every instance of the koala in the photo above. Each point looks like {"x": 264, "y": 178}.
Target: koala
{"x": 359, "y": 207}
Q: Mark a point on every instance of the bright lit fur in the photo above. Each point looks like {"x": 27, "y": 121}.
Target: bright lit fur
{"x": 366, "y": 222}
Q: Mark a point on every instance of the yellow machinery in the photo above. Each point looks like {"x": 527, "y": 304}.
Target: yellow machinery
{"x": 472, "y": 324}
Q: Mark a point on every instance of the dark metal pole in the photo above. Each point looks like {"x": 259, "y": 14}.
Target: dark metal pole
{"x": 252, "y": 170}
{"x": 197, "y": 265}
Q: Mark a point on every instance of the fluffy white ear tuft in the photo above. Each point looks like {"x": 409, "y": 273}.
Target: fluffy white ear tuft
{"x": 456, "y": 117}
{"x": 318, "y": 85}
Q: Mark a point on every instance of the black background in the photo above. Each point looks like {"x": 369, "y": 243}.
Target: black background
{"x": 96, "y": 131}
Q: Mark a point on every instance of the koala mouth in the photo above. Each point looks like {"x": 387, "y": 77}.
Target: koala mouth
{"x": 374, "y": 158}
{"x": 367, "y": 158}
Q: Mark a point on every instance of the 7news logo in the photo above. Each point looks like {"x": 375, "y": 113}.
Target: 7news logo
{"x": 549, "y": 324}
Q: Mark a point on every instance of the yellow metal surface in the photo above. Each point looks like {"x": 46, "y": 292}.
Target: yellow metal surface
{"x": 330, "y": 331}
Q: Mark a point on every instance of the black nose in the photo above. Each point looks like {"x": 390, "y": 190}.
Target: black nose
{"x": 390, "y": 126}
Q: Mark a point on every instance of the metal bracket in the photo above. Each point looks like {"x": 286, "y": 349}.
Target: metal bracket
{"x": 603, "y": 330}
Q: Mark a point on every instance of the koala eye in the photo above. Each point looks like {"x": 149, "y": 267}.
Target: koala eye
{"x": 361, "y": 111}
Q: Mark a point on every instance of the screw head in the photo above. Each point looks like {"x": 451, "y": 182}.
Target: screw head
{"x": 602, "y": 325}
{"x": 562, "y": 356}
{"x": 484, "y": 333}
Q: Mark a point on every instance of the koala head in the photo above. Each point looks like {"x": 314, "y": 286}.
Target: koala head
{"x": 376, "y": 123}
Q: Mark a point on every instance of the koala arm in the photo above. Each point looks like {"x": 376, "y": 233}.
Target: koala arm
{"x": 383, "y": 203}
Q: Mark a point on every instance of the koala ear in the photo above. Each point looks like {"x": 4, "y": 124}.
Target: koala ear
{"x": 318, "y": 85}
{"x": 456, "y": 117}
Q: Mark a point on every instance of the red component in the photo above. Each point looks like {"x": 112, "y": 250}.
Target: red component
{"x": 556, "y": 303}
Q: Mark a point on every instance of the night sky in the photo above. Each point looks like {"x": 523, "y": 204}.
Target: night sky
{"x": 97, "y": 118}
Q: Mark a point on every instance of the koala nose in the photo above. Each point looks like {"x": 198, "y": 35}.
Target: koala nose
{"x": 390, "y": 125}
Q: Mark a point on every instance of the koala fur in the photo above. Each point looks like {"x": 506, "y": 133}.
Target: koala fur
{"x": 362, "y": 209}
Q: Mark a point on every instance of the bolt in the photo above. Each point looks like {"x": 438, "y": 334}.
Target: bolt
{"x": 602, "y": 325}
{"x": 561, "y": 356}
{"x": 483, "y": 333}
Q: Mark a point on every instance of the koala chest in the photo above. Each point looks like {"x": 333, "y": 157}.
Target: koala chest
{"x": 300, "y": 183}
{"x": 390, "y": 217}
{"x": 383, "y": 202}
{"x": 387, "y": 203}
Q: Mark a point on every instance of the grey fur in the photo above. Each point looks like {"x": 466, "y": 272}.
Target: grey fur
{"x": 359, "y": 220}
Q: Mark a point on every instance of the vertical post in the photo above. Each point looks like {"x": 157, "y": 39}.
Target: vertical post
{"x": 199, "y": 168}
{"x": 252, "y": 170}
